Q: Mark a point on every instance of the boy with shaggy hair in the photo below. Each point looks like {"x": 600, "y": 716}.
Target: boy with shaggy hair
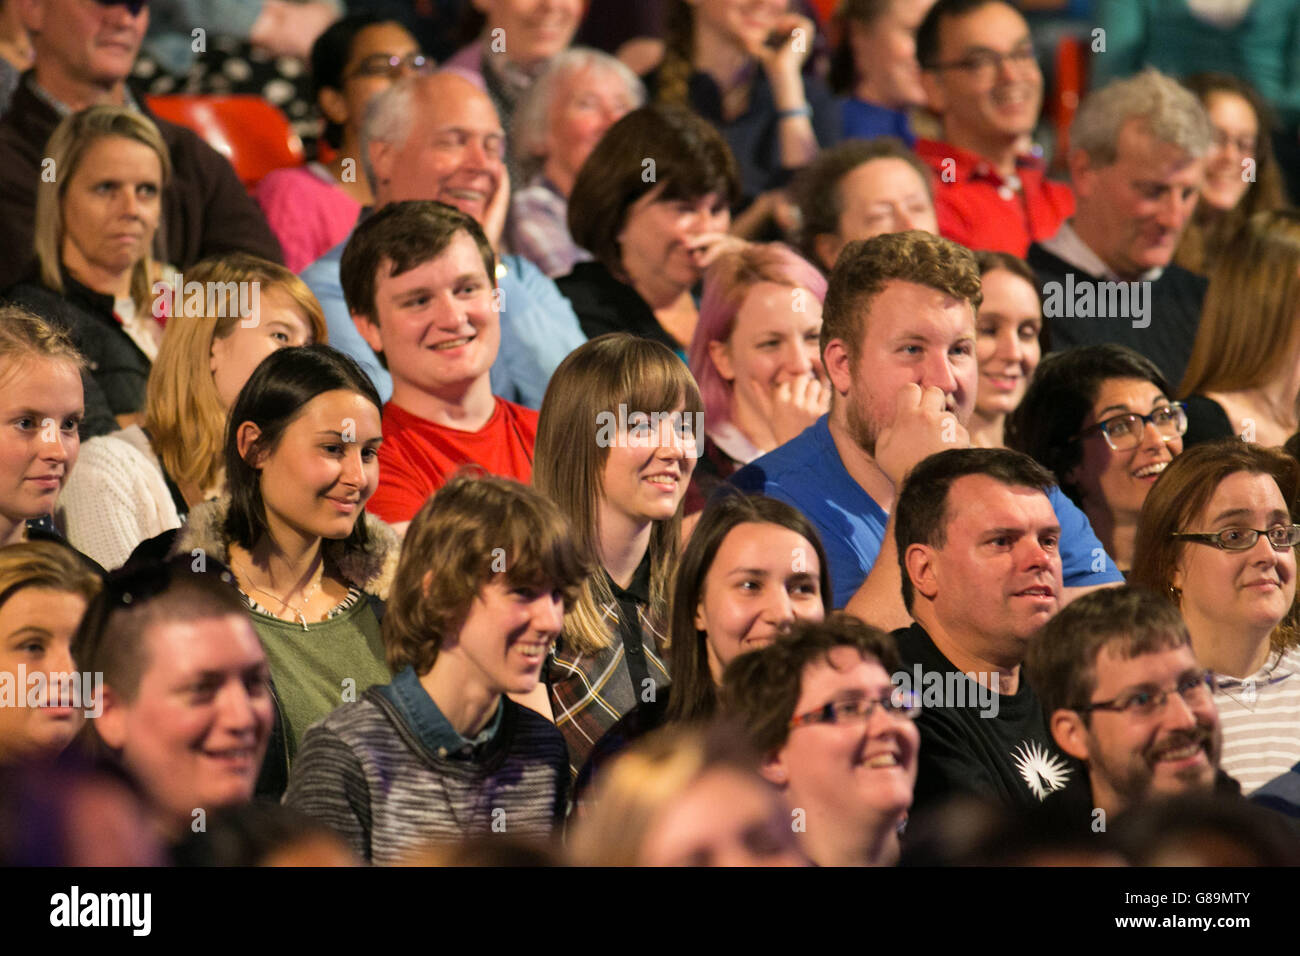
{"x": 443, "y": 753}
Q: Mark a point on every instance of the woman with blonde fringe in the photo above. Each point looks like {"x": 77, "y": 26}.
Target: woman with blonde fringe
{"x": 616, "y": 445}
{"x": 96, "y": 215}
{"x": 142, "y": 480}
{"x": 686, "y": 796}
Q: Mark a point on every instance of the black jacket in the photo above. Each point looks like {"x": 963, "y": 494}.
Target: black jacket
{"x": 117, "y": 371}
{"x": 603, "y": 305}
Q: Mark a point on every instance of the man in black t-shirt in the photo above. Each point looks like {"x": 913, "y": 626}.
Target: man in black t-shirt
{"x": 978, "y": 548}
{"x": 1123, "y": 692}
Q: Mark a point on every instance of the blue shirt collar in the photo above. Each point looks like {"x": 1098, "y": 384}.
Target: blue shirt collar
{"x": 426, "y": 721}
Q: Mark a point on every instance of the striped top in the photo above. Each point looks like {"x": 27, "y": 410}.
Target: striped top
{"x": 1260, "y": 715}
{"x": 366, "y": 774}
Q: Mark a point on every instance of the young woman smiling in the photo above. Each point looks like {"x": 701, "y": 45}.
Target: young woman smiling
{"x": 753, "y": 566}
{"x": 621, "y": 491}
{"x": 1010, "y": 320}
{"x": 301, "y": 463}
{"x": 1099, "y": 417}
{"x": 138, "y": 482}
{"x": 757, "y": 357}
{"x": 1218, "y": 534}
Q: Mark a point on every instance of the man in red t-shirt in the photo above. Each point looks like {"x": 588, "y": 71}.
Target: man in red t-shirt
{"x": 980, "y": 76}
{"x": 417, "y": 277}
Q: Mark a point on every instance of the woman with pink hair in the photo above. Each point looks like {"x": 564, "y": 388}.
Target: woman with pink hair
{"x": 756, "y": 355}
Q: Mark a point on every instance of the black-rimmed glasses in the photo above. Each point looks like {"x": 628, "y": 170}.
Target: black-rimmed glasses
{"x": 1124, "y": 432}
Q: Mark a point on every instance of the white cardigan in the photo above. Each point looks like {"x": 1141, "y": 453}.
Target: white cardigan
{"x": 116, "y": 497}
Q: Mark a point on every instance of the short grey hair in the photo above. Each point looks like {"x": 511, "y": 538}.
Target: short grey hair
{"x": 1172, "y": 114}
{"x": 533, "y": 113}
{"x": 387, "y": 119}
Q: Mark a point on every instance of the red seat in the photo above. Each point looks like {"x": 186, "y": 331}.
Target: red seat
{"x": 250, "y": 132}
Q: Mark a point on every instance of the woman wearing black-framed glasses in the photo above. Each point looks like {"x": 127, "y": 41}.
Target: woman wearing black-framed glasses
{"x": 1218, "y": 534}
{"x": 1100, "y": 418}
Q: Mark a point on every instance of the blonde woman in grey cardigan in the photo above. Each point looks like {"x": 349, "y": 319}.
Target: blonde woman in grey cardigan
{"x": 443, "y": 753}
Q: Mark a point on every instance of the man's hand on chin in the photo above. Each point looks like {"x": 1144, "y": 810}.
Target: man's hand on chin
{"x": 922, "y": 425}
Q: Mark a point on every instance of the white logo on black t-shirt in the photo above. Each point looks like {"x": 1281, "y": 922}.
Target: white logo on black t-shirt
{"x": 1043, "y": 772}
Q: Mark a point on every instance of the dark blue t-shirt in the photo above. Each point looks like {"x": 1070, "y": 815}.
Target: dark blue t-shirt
{"x": 863, "y": 120}
{"x": 807, "y": 473}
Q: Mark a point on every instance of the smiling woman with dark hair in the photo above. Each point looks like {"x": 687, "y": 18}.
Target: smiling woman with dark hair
{"x": 301, "y": 463}
{"x": 1099, "y": 417}
{"x": 652, "y": 204}
{"x": 313, "y": 208}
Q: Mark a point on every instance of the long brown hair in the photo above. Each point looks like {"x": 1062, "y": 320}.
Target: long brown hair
{"x": 675, "y": 70}
{"x": 694, "y": 695}
{"x": 1210, "y": 232}
{"x": 1248, "y": 333}
{"x": 591, "y": 383}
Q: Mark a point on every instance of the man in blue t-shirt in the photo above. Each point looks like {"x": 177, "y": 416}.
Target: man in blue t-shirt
{"x": 898, "y": 343}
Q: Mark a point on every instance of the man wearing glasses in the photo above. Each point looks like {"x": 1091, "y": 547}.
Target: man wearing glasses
{"x": 1137, "y": 162}
{"x": 981, "y": 77}
{"x": 979, "y": 547}
{"x": 1124, "y": 694}
{"x": 837, "y": 738}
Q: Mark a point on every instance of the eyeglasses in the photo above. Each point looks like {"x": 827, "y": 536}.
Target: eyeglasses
{"x": 1246, "y": 145}
{"x": 900, "y": 704}
{"x": 1124, "y": 432}
{"x": 986, "y": 63}
{"x": 384, "y": 64}
{"x": 1195, "y": 689}
{"x": 1243, "y": 539}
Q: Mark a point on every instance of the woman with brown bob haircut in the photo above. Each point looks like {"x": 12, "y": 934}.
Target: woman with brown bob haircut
{"x": 1243, "y": 377}
{"x": 1217, "y": 533}
{"x": 652, "y": 204}
{"x": 486, "y": 572}
{"x": 142, "y": 480}
{"x": 616, "y": 445}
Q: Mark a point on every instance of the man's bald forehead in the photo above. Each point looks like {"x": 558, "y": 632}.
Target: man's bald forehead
{"x": 447, "y": 87}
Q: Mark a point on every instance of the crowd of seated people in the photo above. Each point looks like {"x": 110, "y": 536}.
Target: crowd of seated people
{"x": 716, "y": 446}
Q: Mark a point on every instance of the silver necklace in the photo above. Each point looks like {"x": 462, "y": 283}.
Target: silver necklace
{"x": 307, "y": 595}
